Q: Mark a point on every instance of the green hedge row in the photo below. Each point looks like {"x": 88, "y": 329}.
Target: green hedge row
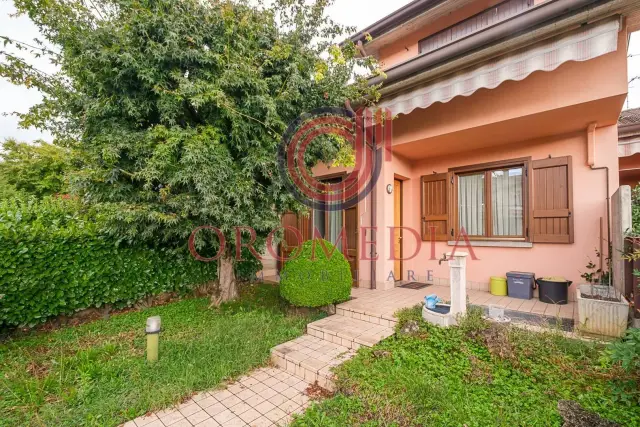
{"x": 54, "y": 261}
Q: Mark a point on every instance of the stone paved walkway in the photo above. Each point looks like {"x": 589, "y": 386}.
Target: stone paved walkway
{"x": 265, "y": 397}
{"x": 272, "y": 396}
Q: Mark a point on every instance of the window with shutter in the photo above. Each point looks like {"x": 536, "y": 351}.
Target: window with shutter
{"x": 490, "y": 200}
{"x": 552, "y": 200}
{"x": 435, "y": 206}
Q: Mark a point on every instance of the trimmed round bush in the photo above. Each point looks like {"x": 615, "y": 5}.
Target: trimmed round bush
{"x": 313, "y": 279}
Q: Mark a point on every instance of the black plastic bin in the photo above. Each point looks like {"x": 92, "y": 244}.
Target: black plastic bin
{"x": 554, "y": 291}
{"x": 520, "y": 285}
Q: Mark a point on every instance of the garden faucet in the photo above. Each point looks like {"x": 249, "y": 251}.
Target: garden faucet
{"x": 444, "y": 258}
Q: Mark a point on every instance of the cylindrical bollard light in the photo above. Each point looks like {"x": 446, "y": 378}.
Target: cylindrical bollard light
{"x": 153, "y": 337}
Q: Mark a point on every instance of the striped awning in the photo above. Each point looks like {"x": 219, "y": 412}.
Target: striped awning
{"x": 587, "y": 42}
{"x": 628, "y": 149}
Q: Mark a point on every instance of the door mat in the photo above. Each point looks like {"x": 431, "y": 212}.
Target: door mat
{"x": 414, "y": 285}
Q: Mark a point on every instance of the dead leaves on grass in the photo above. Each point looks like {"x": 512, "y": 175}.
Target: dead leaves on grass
{"x": 496, "y": 339}
{"x": 315, "y": 392}
{"x": 480, "y": 372}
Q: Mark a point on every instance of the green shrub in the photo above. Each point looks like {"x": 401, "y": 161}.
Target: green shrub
{"x": 312, "y": 279}
{"x": 626, "y": 352}
{"x": 53, "y": 260}
{"x": 635, "y": 209}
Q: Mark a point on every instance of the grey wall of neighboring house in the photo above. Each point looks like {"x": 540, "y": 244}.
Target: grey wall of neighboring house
{"x": 620, "y": 227}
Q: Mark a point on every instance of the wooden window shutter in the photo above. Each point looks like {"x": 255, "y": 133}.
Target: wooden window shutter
{"x": 552, "y": 200}
{"x": 435, "y": 206}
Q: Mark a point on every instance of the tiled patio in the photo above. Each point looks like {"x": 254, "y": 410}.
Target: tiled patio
{"x": 384, "y": 303}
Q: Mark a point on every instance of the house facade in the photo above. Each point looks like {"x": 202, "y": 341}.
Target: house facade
{"x": 504, "y": 140}
{"x": 629, "y": 147}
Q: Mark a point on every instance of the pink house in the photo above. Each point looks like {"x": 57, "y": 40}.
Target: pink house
{"x": 629, "y": 147}
{"x": 506, "y": 126}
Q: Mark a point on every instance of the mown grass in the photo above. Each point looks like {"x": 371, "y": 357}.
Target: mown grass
{"x": 96, "y": 374}
{"x": 471, "y": 376}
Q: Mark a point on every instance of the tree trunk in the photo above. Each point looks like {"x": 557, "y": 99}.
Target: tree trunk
{"x": 226, "y": 279}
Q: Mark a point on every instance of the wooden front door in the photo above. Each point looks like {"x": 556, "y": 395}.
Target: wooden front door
{"x": 330, "y": 224}
{"x": 397, "y": 222}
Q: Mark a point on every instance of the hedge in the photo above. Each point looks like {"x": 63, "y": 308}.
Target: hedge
{"x": 312, "y": 279}
{"x": 53, "y": 260}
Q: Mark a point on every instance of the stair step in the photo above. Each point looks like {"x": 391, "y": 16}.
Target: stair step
{"x": 349, "y": 332}
{"x": 267, "y": 272}
{"x": 269, "y": 279}
{"x": 368, "y": 315}
{"x": 311, "y": 359}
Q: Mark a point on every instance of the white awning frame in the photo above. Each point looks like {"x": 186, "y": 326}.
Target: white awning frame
{"x": 583, "y": 44}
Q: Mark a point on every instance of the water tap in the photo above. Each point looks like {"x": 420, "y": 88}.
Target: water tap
{"x": 444, "y": 258}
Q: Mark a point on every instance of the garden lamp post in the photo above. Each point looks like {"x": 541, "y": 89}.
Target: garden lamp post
{"x": 153, "y": 337}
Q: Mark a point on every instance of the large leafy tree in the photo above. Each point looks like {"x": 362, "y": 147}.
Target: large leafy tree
{"x": 178, "y": 106}
{"x": 38, "y": 169}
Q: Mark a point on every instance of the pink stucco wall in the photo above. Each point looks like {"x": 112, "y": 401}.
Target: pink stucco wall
{"x": 566, "y": 260}
{"x": 546, "y": 114}
{"x": 543, "y": 104}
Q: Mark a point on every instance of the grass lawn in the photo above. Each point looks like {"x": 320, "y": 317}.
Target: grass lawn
{"x": 470, "y": 376}
{"x": 96, "y": 374}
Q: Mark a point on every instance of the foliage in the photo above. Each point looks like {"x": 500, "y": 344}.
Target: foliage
{"x": 53, "y": 260}
{"x": 7, "y": 191}
{"x": 37, "y": 169}
{"x": 314, "y": 277}
{"x": 626, "y": 352}
{"x": 635, "y": 209}
{"x": 595, "y": 275}
{"x": 489, "y": 375}
{"x": 179, "y": 106}
{"x": 95, "y": 374}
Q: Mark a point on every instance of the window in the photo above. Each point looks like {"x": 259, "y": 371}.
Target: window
{"x": 329, "y": 223}
{"x": 513, "y": 200}
{"x": 471, "y": 203}
{"x": 507, "y": 204}
{"x": 491, "y": 200}
{"x": 479, "y": 22}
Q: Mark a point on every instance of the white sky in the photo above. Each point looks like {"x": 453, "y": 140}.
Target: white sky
{"x": 359, "y": 13}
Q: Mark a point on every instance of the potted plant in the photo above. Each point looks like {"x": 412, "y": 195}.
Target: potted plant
{"x": 602, "y": 310}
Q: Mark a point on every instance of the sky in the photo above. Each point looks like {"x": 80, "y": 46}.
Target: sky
{"x": 359, "y": 13}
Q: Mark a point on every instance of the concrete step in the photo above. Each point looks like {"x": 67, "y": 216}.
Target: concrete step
{"x": 349, "y": 332}
{"x": 311, "y": 359}
{"x": 267, "y": 272}
{"x": 366, "y": 315}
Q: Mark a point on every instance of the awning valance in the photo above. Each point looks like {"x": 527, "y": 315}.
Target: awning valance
{"x": 587, "y": 42}
{"x": 628, "y": 149}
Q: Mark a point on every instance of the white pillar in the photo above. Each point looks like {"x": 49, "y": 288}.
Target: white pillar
{"x": 621, "y": 225}
{"x": 458, "y": 282}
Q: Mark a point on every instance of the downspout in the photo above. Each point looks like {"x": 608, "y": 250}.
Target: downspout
{"x": 374, "y": 237}
{"x": 591, "y": 161}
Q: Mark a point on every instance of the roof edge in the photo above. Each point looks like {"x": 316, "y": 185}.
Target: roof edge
{"x": 396, "y": 19}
